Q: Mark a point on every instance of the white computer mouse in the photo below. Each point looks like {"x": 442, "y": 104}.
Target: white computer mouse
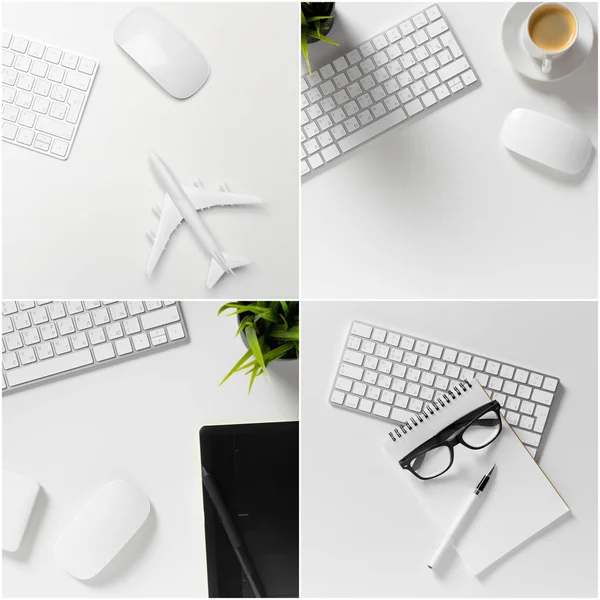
{"x": 101, "y": 529}
{"x": 163, "y": 52}
{"x": 546, "y": 140}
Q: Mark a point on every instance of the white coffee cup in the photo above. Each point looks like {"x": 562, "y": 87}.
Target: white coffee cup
{"x": 545, "y": 55}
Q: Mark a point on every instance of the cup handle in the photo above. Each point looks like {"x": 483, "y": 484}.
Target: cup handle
{"x": 546, "y": 66}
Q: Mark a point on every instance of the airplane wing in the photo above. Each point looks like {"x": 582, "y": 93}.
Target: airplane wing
{"x": 170, "y": 217}
{"x": 202, "y": 198}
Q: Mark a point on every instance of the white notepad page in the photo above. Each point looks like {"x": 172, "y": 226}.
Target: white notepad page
{"x": 518, "y": 502}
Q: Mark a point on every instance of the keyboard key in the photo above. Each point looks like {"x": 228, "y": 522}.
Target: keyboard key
{"x": 175, "y": 331}
{"x": 526, "y": 422}
{"x": 512, "y": 417}
{"x": 10, "y": 361}
{"x": 400, "y": 415}
{"x": 436, "y": 28}
{"x": 54, "y": 128}
{"x": 337, "y": 397}
{"x": 535, "y": 380}
{"x": 365, "y": 405}
{"x": 381, "y": 410}
{"x": 541, "y": 396}
{"x": 351, "y": 401}
{"x": 416, "y": 405}
{"x": 433, "y": 13}
{"x": 406, "y": 28}
{"x": 351, "y": 371}
{"x": 104, "y": 352}
{"x": 513, "y": 403}
{"x": 69, "y": 60}
{"x": 527, "y": 407}
{"x": 86, "y": 65}
{"x": 373, "y": 392}
{"x": 26, "y": 356}
{"x": 36, "y": 49}
{"x": 141, "y": 342}
{"x": 541, "y": 414}
{"x": 371, "y": 130}
{"x": 123, "y": 346}
{"x": 22, "y": 63}
{"x": 114, "y": 331}
{"x": 453, "y": 69}
{"x": 482, "y": 378}
{"x": 524, "y": 392}
{"x": 355, "y": 358}
{"x": 330, "y": 153}
{"x": 13, "y": 341}
{"x": 521, "y": 376}
{"x": 49, "y": 367}
{"x": 527, "y": 437}
{"x": 61, "y": 346}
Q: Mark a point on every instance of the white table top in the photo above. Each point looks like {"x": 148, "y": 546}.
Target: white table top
{"x": 440, "y": 209}
{"x": 78, "y": 227}
{"x": 364, "y": 533}
{"x": 138, "y": 420}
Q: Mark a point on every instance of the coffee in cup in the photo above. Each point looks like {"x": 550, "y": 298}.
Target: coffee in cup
{"x": 552, "y": 27}
{"x": 549, "y": 32}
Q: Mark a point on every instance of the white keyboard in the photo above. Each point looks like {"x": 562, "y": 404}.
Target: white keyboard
{"x": 392, "y": 376}
{"x": 405, "y": 71}
{"x": 44, "y": 92}
{"x": 41, "y": 340}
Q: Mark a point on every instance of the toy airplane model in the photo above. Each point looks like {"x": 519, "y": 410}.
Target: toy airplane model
{"x": 181, "y": 203}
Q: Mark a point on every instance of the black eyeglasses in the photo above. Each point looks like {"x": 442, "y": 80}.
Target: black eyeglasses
{"x": 475, "y": 430}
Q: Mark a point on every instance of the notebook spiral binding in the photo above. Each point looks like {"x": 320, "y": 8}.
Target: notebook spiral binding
{"x": 437, "y": 404}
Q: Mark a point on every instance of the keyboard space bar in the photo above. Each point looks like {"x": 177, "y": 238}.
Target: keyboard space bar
{"x": 48, "y": 367}
{"x": 371, "y": 130}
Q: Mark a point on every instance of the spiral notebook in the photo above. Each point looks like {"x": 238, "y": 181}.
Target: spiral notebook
{"x": 519, "y": 502}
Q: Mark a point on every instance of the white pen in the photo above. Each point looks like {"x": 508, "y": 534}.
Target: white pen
{"x": 459, "y": 519}
{"x": 169, "y": 184}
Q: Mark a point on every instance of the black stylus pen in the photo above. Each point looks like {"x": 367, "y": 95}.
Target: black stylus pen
{"x": 232, "y": 533}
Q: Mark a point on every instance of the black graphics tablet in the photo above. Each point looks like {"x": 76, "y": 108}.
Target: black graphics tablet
{"x": 255, "y": 467}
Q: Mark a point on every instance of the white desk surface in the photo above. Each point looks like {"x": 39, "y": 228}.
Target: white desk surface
{"x": 440, "y": 209}
{"x": 363, "y": 532}
{"x": 139, "y": 420}
{"x": 77, "y": 228}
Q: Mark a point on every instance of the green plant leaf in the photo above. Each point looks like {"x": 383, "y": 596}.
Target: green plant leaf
{"x": 254, "y": 344}
{"x": 245, "y": 322}
{"x": 263, "y": 311}
{"x": 255, "y": 372}
{"x": 238, "y": 366}
{"x": 304, "y": 47}
{"x": 278, "y": 352}
{"x": 293, "y": 333}
{"x": 272, "y": 328}
{"x": 324, "y": 38}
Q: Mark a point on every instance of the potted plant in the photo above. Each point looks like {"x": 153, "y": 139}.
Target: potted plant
{"x": 316, "y": 21}
{"x": 269, "y": 329}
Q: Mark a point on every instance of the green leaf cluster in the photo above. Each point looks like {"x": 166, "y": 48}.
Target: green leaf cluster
{"x": 272, "y": 329}
{"x": 310, "y": 26}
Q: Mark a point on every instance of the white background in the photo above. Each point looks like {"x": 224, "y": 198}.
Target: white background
{"x": 139, "y": 420}
{"x": 440, "y": 209}
{"x": 77, "y": 227}
{"x": 363, "y": 531}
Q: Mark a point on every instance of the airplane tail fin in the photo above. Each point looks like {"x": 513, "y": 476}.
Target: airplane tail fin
{"x": 216, "y": 271}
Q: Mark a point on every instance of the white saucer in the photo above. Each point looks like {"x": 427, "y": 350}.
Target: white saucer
{"x": 528, "y": 66}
